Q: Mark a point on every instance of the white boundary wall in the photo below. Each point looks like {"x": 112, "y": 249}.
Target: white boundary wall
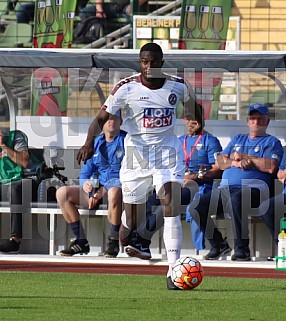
{"x": 70, "y": 132}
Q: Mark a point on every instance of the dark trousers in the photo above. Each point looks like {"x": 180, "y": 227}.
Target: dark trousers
{"x": 234, "y": 202}
{"x": 154, "y": 216}
{"x": 25, "y": 12}
{"x": 271, "y": 212}
{"x": 19, "y": 194}
{"x": 111, "y": 10}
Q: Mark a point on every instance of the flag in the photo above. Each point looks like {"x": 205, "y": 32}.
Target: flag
{"x": 49, "y": 90}
{"x": 53, "y": 28}
{"x": 204, "y": 26}
{"x": 53, "y": 23}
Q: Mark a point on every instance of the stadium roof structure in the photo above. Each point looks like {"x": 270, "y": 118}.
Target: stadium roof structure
{"x": 42, "y": 58}
{"x": 17, "y": 65}
{"x": 198, "y": 60}
{"x": 232, "y": 61}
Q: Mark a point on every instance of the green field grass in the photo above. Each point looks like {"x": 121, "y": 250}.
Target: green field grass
{"x": 81, "y": 297}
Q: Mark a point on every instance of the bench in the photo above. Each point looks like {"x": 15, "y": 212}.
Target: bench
{"x": 55, "y": 224}
{"x": 52, "y": 210}
{"x": 256, "y": 225}
{"x": 51, "y": 178}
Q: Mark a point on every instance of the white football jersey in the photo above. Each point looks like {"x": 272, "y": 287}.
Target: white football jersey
{"x": 148, "y": 114}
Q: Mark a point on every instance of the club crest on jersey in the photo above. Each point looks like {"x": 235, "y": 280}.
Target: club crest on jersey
{"x": 275, "y": 156}
{"x": 172, "y": 99}
{"x": 119, "y": 153}
{"x": 157, "y": 117}
{"x": 236, "y": 148}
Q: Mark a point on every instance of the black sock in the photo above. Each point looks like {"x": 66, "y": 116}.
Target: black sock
{"x": 114, "y": 231}
{"x": 78, "y": 231}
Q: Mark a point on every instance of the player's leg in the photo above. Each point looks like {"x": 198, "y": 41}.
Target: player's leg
{"x": 137, "y": 182}
{"x": 114, "y": 217}
{"x": 168, "y": 180}
{"x": 139, "y": 246}
{"x": 68, "y": 197}
{"x": 169, "y": 195}
{"x": 154, "y": 219}
{"x": 134, "y": 199}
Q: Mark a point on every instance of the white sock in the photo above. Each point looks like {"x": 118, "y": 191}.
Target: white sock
{"x": 173, "y": 239}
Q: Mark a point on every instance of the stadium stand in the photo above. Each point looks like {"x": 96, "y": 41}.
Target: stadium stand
{"x": 46, "y": 231}
{"x": 17, "y": 35}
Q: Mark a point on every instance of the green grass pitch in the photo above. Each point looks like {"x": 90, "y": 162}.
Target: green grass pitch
{"x": 26, "y": 296}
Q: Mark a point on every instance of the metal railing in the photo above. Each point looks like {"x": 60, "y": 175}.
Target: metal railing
{"x": 121, "y": 37}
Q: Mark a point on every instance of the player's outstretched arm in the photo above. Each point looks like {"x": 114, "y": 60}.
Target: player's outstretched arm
{"x": 95, "y": 128}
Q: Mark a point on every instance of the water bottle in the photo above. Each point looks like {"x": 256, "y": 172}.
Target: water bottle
{"x": 94, "y": 181}
{"x": 53, "y": 156}
{"x": 202, "y": 171}
{"x": 281, "y": 261}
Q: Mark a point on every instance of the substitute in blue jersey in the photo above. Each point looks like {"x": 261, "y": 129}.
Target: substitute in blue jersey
{"x": 99, "y": 177}
{"x": 200, "y": 152}
{"x": 267, "y": 147}
{"x": 250, "y": 163}
{"x": 106, "y": 161}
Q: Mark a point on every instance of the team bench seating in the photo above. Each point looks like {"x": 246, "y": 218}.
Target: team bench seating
{"x": 52, "y": 209}
{"x": 257, "y": 232}
{"x": 51, "y": 226}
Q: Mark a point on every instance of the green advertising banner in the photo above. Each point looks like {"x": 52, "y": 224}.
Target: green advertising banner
{"x": 50, "y": 89}
{"x": 204, "y": 26}
{"x": 53, "y": 28}
{"x": 53, "y": 25}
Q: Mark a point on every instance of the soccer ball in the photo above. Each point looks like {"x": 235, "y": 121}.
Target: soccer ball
{"x": 187, "y": 273}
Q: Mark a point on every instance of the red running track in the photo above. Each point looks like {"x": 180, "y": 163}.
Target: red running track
{"x": 135, "y": 269}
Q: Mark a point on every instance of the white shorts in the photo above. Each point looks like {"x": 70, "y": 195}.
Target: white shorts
{"x": 146, "y": 167}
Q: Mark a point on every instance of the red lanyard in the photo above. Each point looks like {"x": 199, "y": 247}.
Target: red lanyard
{"x": 188, "y": 157}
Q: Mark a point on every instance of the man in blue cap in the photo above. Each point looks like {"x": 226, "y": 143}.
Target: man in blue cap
{"x": 249, "y": 163}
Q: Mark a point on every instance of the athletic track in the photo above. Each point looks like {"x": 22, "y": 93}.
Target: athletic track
{"x": 135, "y": 269}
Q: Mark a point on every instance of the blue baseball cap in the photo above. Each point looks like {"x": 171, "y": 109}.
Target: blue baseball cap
{"x": 261, "y": 108}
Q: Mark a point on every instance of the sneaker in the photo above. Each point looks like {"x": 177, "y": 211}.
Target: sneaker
{"x": 171, "y": 285}
{"x": 112, "y": 248}
{"x": 10, "y": 246}
{"x": 125, "y": 235}
{"x": 136, "y": 249}
{"x": 218, "y": 251}
{"x": 242, "y": 254}
{"x": 75, "y": 247}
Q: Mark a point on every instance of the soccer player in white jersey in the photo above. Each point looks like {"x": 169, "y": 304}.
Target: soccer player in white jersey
{"x": 153, "y": 154}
